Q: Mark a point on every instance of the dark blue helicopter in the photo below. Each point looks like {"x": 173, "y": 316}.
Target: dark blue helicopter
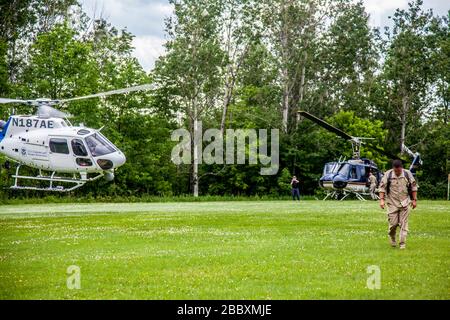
{"x": 350, "y": 177}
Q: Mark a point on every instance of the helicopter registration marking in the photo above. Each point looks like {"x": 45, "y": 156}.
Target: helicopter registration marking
{"x": 33, "y": 123}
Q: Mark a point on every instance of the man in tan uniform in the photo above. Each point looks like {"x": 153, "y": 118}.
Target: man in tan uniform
{"x": 373, "y": 185}
{"x": 400, "y": 189}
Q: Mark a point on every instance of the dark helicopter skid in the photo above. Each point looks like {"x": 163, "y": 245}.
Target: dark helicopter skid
{"x": 339, "y": 188}
{"x": 342, "y": 194}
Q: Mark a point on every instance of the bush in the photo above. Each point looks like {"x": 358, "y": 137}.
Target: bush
{"x": 428, "y": 190}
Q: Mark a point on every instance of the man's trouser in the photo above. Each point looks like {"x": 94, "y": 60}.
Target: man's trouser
{"x": 295, "y": 193}
{"x": 372, "y": 191}
{"x": 398, "y": 217}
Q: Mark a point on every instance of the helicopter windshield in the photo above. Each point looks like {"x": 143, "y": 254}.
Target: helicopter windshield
{"x": 331, "y": 167}
{"x": 98, "y": 145}
{"x": 344, "y": 169}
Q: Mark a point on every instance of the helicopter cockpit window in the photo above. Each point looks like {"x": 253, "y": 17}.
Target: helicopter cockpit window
{"x": 344, "y": 169}
{"x": 365, "y": 171}
{"x": 98, "y": 146}
{"x": 78, "y": 148}
{"x": 331, "y": 167}
{"x": 58, "y": 145}
{"x": 353, "y": 173}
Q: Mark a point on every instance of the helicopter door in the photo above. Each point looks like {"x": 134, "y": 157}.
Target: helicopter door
{"x": 59, "y": 154}
{"x": 80, "y": 153}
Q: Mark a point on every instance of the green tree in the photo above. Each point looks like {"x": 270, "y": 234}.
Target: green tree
{"x": 407, "y": 68}
{"x": 60, "y": 65}
{"x": 192, "y": 66}
{"x": 348, "y": 60}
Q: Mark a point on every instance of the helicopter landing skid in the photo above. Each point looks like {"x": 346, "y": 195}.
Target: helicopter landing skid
{"x": 53, "y": 180}
{"x": 342, "y": 195}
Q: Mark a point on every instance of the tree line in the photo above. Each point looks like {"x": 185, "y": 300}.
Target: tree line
{"x": 239, "y": 64}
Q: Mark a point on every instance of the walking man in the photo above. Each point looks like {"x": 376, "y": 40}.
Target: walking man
{"x": 295, "y": 184}
{"x": 372, "y": 185}
{"x": 398, "y": 190}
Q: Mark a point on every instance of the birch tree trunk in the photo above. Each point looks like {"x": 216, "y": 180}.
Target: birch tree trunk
{"x": 196, "y": 150}
{"x": 226, "y": 102}
{"x": 302, "y": 86}
{"x": 285, "y": 65}
{"x": 403, "y": 122}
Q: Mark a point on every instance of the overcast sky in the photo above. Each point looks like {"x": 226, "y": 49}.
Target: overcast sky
{"x": 145, "y": 19}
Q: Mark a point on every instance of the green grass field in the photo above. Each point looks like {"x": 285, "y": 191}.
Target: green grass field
{"x": 221, "y": 250}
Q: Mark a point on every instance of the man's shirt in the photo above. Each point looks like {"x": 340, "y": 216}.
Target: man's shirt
{"x": 398, "y": 194}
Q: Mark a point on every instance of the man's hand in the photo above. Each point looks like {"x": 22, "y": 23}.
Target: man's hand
{"x": 414, "y": 204}
{"x": 382, "y": 203}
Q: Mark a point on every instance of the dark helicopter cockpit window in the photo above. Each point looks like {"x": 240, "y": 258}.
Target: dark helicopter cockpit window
{"x": 58, "y": 145}
{"x": 344, "y": 169}
{"x": 98, "y": 145}
{"x": 78, "y": 148}
{"x": 353, "y": 173}
{"x": 331, "y": 167}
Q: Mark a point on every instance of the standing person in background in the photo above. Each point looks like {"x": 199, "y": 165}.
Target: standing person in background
{"x": 295, "y": 184}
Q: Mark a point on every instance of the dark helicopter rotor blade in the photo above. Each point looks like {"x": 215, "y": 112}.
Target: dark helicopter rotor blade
{"x": 386, "y": 153}
{"x": 143, "y": 87}
{"x": 326, "y": 125}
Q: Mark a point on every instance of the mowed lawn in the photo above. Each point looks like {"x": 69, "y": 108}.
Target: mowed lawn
{"x": 221, "y": 250}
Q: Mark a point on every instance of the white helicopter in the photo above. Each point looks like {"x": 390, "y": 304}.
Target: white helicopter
{"x": 66, "y": 156}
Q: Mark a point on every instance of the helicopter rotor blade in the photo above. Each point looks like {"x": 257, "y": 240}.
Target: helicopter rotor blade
{"x": 386, "y": 153}
{"x": 6, "y": 100}
{"x": 143, "y": 87}
{"x": 344, "y": 135}
{"x": 326, "y": 125}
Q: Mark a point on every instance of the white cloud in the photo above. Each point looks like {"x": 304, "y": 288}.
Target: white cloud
{"x": 380, "y": 10}
{"x": 145, "y": 19}
{"x": 147, "y": 50}
{"x": 381, "y": 6}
